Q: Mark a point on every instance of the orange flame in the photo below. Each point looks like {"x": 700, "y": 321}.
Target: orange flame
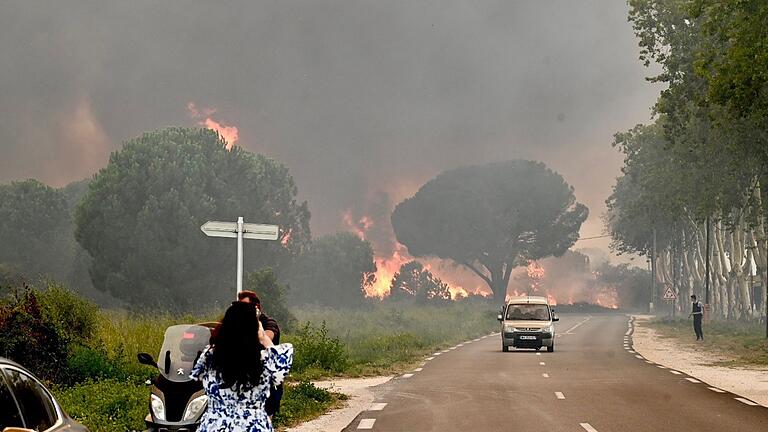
{"x": 229, "y": 134}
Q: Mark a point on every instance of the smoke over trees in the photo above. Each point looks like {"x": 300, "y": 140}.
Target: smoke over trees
{"x": 140, "y": 219}
{"x": 491, "y": 218}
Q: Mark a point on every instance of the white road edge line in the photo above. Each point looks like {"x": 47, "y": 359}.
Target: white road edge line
{"x": 559, "y": 395}
{"x": 377, "y": 406}
{"x": 638, "y": 356}
{"x": 408, "y": 375}
{"x": 693, "y": 380}
{"x": 366, "y": 424}
{"x": 587, "y": 427}
{"x": 676, "y": 372}
{"x": 746, "y": 401}
{"x": 716, "y": 390}
{"x": 418, "y": 369}
{"x": 430, "y": 358}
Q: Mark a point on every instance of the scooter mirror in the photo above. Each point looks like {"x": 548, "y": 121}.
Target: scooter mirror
{"x": 146, "y": 359}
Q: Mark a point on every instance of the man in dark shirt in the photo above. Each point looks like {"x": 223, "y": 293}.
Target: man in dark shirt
{"x": 272, "y": 330}
{"x": 697, "y": 311}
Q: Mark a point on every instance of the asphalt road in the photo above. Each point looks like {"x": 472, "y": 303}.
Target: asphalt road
{"x": 592, "y": 382}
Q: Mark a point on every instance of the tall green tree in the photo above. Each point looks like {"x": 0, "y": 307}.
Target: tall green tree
{"x": 140, "y": 219}
{"x": 414, "y": 282}
{"x": 272, "y": 295}
{"x": 491, "y": 218}
{"x": 35, "y": 230}
{"x": 334, "y": 271}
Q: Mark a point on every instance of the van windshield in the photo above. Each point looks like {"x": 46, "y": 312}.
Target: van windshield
{"x": 528, "y": 312}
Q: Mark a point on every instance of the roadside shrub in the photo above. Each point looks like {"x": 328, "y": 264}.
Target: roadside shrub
{"x": 38, "y": 328}
{"x": 314, "y": 349}
{"x": 106, "y": 405}
{"x": 27, "y": 337}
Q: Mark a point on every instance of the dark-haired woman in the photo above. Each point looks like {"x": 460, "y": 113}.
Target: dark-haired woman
{"x": 237, "y": 372}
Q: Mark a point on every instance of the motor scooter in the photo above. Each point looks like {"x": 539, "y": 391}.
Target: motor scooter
{"x": 177, "y": 402}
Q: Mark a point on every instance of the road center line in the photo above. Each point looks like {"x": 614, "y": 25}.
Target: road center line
{"x": 366, "y": 424}
{"x": 377, "y": 406}
{"x": 559, "y": 395}
{"x": 545, "y": 375}
{"x": 587, "y": 427}
{"x": 538, "y": 353}
{"x": 542, "y": 364}
{"x": 638, "y": 356}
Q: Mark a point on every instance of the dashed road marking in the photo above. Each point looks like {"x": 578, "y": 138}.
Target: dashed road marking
{"x": 407, "y": 375}
{"x": 632, "y": 351}
{"x": 451, "y": 348}
{"x": 649, "y": 362}
{"x": 638, "y": 356}
{"x": 377, "y": 406}
{"x": 418, "y": 369}
{"x": 430, "y": 358}
{"x": 559, "y": 395}
{"x": 746, "y": 401}
{"x": 676, "y": 372}
{"x": 587, "y": 427}
{"x": 437, "y": 354}
{"x": 693, "y": 380}
{"x": 661, "y": 367}
{"x": 538, "y": 353}
{"x": 545, "y": 375}
{"x": 542, "y": 364}
{"x": 366, "y": 424}
{"x": 716, "y": 390}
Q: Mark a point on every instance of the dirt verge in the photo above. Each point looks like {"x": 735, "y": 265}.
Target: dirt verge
{"x": 749, "y": 382}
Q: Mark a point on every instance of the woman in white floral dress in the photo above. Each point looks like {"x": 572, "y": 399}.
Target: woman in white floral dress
{"x": 237, "y": 371}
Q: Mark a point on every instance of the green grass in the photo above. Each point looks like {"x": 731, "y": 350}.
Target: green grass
{"x": 108, "y": 391}
{"x": 742, "y": 342}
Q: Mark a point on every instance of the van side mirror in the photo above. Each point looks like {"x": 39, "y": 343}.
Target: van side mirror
{"x": 146, "y": 359}
{"x": 500, "y": 318}
{"x": 555, "y": 317}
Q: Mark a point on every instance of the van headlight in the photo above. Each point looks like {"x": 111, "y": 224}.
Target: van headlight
{"x": 510, "y": 329}
{"x": 158, "y": 407}
{"x": 195, "y": 407}
{"x": 550, "y": 329}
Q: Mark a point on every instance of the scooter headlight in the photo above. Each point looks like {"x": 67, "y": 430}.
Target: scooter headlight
{"x": 158, "y": 407}
{"x": 195, "y": 407}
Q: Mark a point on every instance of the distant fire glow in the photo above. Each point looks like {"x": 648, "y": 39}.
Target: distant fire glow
{"x": 228, "y": 133}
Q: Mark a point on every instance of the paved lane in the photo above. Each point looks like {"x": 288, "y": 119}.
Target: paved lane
{"x": 590, "y": 383}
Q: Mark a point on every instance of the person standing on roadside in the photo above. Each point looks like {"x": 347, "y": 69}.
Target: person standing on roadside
{"x": 697, "y": 311}
{"x": 272, "y": 331}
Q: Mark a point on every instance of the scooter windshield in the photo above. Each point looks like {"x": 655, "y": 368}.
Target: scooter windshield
{"x": 182, "y": 346}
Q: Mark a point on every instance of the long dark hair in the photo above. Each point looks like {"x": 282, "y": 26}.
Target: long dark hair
{"x": 236, "y": 347}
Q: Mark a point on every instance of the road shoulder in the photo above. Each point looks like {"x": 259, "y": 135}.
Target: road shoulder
{"x": 749, "y": 382}
{"x": 361, "y": 394}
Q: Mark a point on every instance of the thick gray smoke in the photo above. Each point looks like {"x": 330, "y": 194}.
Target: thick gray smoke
{"x": 355, "y": 97}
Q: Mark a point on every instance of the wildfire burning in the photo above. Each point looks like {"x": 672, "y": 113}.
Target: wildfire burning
{"x": 229, "y": 134}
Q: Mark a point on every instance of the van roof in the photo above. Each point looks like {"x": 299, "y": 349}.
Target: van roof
{"x": 528, "y": 300}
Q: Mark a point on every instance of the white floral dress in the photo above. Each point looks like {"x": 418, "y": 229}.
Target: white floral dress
{"x": 231, "y": 411}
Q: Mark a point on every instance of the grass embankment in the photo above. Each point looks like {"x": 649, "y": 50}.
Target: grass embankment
{"x": 744, "y": 343}
{"x": 379, "y": 340}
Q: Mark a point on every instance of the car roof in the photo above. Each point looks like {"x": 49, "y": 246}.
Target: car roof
{"x": 528, "y": 300}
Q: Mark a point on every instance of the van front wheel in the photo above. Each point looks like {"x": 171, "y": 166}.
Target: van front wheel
{"x": 504, "y": 348}
{"x": 551, "y": 348}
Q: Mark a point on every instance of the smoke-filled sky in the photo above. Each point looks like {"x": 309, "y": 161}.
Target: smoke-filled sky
{"x": 355, "y": 97}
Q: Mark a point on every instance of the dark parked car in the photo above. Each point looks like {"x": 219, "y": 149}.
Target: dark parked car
{"x": 26, "y": 405}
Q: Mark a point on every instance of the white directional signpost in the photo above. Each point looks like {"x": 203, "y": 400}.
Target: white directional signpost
{"x": 240, "y": 231}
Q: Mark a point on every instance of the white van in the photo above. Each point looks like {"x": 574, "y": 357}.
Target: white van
{"x": 527, "y": 322}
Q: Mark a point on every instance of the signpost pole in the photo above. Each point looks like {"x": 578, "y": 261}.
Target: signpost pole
{"x": 239, "y": 255}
